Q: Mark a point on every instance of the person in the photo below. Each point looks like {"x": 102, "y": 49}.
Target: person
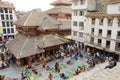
{"x": 83, "y": 68}
{"x": 77, "y": 71}
{"x": 44, "y": 63}
{"x": 50, "y": 76}
{"x": 112, "y": 63}
{"x": 62, "y": 55}
{"x": 62, "y": 76}
{"x": 57, "y": 69}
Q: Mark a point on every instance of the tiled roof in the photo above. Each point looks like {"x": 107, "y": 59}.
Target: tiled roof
{"x": 61, "y": 2}
{"x": 23, "y": 46}
{"x": 66, "y": 25}
{"x": 113, "y": 1}
{"x": 6, "y": 4}
{"x": 36, "y": 18}
{"x": 60, "y": 9}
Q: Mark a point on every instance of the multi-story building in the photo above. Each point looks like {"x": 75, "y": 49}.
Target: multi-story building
{"x": 79, "y": 8}
{"x": 7, "y": 16}
{"x": 100, "y": 24}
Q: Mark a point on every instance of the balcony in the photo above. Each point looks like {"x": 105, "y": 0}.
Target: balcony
{"x": 108, "y": 46}
{"x": 109, "y": 24}
{"x": 118, "y": 37}
{"x": 100, "y": 34}
{"x": 92, "y": 33}
{"x": 92, "y": 42}
{"x": 117, "y": 48}
{"x": 118, "y": 24}
{"x": 99, "y": 44}
{"x": 101, "y": 23}
{"x": 108, "y": 36}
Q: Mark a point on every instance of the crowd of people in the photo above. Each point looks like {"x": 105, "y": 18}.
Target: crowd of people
{"x": 5, "y": 57}
{"x": 74, "y": 52}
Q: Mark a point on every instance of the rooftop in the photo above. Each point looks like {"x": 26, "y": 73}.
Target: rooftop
{"x": 60, "y": 9}
{"x": 61, "y": 2}
{"x": 23, "y": 46}
{"x": 37, "y": 18}
{"x": 6, "y": 4}
{"x": 113, "y": 1}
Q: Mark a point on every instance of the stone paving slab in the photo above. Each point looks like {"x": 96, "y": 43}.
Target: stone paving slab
{"x": 13, "y": 70}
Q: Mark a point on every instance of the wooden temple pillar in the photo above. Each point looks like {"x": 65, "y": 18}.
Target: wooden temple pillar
{"x": 29, "y": 62}
{"x": 18, "y": 62}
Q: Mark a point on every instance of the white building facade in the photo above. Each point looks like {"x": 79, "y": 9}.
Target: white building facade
{"x": 79, "y": 8}
{"x": 7, "y": 17}
{"x": 100, "y": 30}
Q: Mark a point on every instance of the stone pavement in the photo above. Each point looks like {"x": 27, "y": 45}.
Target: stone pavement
{"x": 63, "y": 70}
{"x": 13, "y": 70}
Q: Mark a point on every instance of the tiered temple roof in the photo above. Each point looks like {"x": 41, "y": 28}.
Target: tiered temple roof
{"x": 61, "y": 2}
{"x": 26, "y": 45}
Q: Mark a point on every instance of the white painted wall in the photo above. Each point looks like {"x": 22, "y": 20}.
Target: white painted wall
{"x": 113, "y": 8}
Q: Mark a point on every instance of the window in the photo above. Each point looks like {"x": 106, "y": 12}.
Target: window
{"x": 101, "y": 22}
{"x": 11, "y": 17}
{"x": 74, "y": 23}
{"x": 82, "y": 2}
{"x": 12, "y": 30}
{"x": 8, "y": 24}
{"x": 99, "y": 40}
{"x": 4, "y": 31}
{"x": 1, "y": 10}
{"x": 107, "y": 44}
{"x": 7, "y": 17}
{"x": 6, "y": 10}
{"x": 118, "y": 35}
{"x": 81, "y": 13}
{"x": 92, "y": 40}
{"x": 92, "y": 29}
{"x": 3, "y": 23}
{"x": 118, "y": 22}
{"x": 100, "y": 31}
{"x": 109, "y": 22}
{"x": 75, "y": 13}
{"x": 2, "y": 17}
{"x": 11, "y": 24}
{"x": 8, "y": 30}
{"x": 75, "y": 3}
{"x": 80, "y": 34}
{"x": 109, "y": 33}
{"x": 74, "y": 33}
{"x": 81, "y": 24}
{"x": 93, "y": 21}
{"x": 10, "y": 10}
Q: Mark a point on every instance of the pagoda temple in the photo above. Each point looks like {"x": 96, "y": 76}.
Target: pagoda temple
{"x": 62, "y": 12}
{"x": 36, "y": 38}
